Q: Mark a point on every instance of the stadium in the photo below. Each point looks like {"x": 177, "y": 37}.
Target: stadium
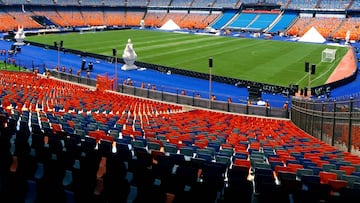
{"x": 179, "y": 101}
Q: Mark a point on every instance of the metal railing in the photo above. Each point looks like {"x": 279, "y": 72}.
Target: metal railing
{"x": 336, "y": 122}
{"x": 178, "y": 98}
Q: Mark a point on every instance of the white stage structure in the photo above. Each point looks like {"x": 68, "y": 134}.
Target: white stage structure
{"x": 19, "y": 36}
{"x": 129, "y": 57}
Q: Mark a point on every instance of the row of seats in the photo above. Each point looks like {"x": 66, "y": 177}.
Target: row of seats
{"x": 157, "y": 140}
{"x": 293, "y": 4}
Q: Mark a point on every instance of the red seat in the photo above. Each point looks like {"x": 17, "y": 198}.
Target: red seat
{"x": 348, "y": 169}
{"x": 242, "y": 162}
{"x": 337, "y": 185}
{"x": 325, "y": 176}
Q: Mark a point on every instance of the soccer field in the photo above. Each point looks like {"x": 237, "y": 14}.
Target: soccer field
{"x": 267, "y": 61}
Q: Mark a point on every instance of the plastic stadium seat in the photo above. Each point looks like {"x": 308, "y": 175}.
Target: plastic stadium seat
{"x": 177, "y": 159}
{"x": 347, "y": 169}
{"x": 162, "y": 168}
{"x": 213, "y": 174}
{"x": 39, "y": 173}
{"x": 187, "y": 175}
{"x": 349, "y": 194}
{"x": 239, "y": 155}
{"x": 310, "y": 179}
{"x": 242, "y": 162}
{"x": 138, "y": 143}
{"x": 351, "y": 179}
{"x": 273, "y": 164}
{"x": 123, "y": 152}
{"x": 153, "y": 146}
{"x": 70, "y": 196}
{"x": 210, "y": 151}
{"x": 237, "y": 174}
{"x": 325, "y": 176}
{"x": 170, "y": 148}
{"x": 105, "y": 147}
{"x": 228, "y": 151}
{"x": 215, "y": 146}
{"x": 204, "y": 156}
{"x": 338, "y": 172}
{"x": 315, "y": 169}
{"x": 187, "y": 151}
{"x": 67, "y": 180}
{"x": 223, "y": 159}
{"x": 337, "y": 185}
{"x": 31, "y": 191}
{"x": 294, "y": 167}
{"x": 88, "y": 144}
{"x": 289, "y": 185}
{"x": 303, "y": 171}
{"x": 328, "y": 167}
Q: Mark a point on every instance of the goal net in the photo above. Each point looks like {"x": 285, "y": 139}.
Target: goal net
{"x": 328, "y": 55}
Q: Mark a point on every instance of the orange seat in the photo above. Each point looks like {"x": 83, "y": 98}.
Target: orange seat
{"x": 242, "y": 162}
{"x": 348, "y": 169}
{"x": 325, "y": 176}
{"x": 282, "y": 168}
{"x": 294, "y": 167}
{"x": 337, "y": 185}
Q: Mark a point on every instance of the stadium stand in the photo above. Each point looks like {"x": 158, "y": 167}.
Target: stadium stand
{"x": 68, "y": 141}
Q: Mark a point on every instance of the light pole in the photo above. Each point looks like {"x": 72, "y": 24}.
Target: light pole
{"x": 5, "y": 59}
{"x": 116, "y": 69}
{"x": 58, "y": 45}
{"x": 210, "y": 78}
{"x": 310, "y": 71}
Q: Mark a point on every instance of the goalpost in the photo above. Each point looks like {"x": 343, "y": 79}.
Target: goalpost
{"x": 328, "y": 55}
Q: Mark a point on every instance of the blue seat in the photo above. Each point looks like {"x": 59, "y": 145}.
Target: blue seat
{"x": 31, "y": 193}
{"x": 315, "y": 169}
{"x": 187, "y": 151}
{"x": 170, "y": 148}
{"x": 88, "y": 144}
{"x": 153, "y": 146}
{"x": 204, "y": 156}
{"x": 310, "y": 179}
{"x": 239, "y": 155}
{"x": 123, "y": 152}
{"x": 177, "y": 159}
{"x": 216, "y": 146}
{"x": 273, "y": 164}
{"x": 105, "y": 147}
{"x": 263, "y": 171}
{"x": 303, "y": 171}
{"x": 356, "y": 173}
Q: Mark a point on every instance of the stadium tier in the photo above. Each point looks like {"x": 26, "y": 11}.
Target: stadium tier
{"x": 232, "y": 101}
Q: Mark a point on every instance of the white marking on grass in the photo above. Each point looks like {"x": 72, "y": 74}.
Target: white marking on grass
{"x": 220, "y": 51}
{"x": 329, "y": 68}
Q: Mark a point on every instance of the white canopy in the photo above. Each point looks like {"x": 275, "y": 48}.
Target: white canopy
{"x": 170, "y": 25}
{"x": 312, "y": 35}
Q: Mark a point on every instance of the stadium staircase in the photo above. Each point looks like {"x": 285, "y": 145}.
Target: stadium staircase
{"x": 231, "y": 20}
{"x": 277, "y": 19}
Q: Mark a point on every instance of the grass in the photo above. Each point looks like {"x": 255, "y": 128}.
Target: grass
{"x": 267, "y": 61}
{"x": 10, "y": 67}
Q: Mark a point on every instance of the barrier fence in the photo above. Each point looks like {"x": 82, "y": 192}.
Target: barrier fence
{"x": 334, "y": 122}
{"x": 177, "y": 97}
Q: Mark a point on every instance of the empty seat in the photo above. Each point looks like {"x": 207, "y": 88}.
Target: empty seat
{"x": 328, "y": 167}
{"x": 325, "y": 176}
{"x": 170, "y": 148}
{"x": 153, "y": 146}
{"x": 337, "y": 185}
{"x": 351, "y": 179}
{"x": 187, "y": 151}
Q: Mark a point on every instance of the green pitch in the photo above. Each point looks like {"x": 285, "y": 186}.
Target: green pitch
{"x": 266, "y": 61}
